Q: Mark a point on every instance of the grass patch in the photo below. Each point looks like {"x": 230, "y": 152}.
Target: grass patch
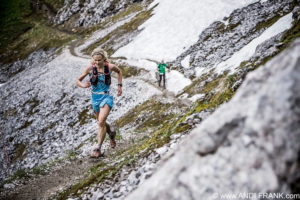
{"x": 40, "y": 170}
{"x": 268, "y": 23}
{"x": 118, "y": 135}
{"x": 19, "y": 149}
{"x": 223, "y": 92}
{"x": 128, "y": 71}
{"x": 11, "y": 20}
{"x": 98, "y": 173}
{"x": 290, "y": 35}
{"x": 20, "y": 173}
{"x": 182, "y": 128}
{"x": 37, "y": 36}
{"x": 71, "y": 155}
{"x": 84, "y": 116}
{"x": 148, "y": 114}
{"x": 54, "y": 4}
{"x": 136, "y": 7}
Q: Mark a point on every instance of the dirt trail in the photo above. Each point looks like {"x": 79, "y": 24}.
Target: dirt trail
{"x": 73, "y": 46}
{"x": 58, "y": 179}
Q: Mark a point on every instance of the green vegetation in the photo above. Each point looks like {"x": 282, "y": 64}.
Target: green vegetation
{"x": 136, "y": 7}
{"x": 38, "y": 37}
{"x": 118, "y": 135}
{"x": 12, "y": 112}
{"x": 21, "y": 173}
{"x": 147, "y": 115}
{"x": 40, "y": 170}
{"x": 20, "y": 149}
{"x": 128, "y": 71}
{"x": 12, "y": 23}
{"x": 133, "y": 8}
{"x": 71, "y": 154}
{"x": 180, "y": 129}
{"x": 217, "y": 92}
{"x": 290, "y": 35}
{"x": 84, "y": 116}
{"x": 54, "y": 4}
{"x": 23, "y": 31}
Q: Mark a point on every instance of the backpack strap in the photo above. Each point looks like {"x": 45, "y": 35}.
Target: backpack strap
{"x": 107, "y": 78}
{"x": 92, "y": 70}
{"x": 106, "y": 68}
{"x": 94, "y": 76}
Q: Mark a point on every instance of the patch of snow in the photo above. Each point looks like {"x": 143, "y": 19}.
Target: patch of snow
{"x": 176, "y": 81}
{"x": 226, "y": 22}
{"x": 183, "y": 96}
{"x": 142, "y": 63}
{"x": 196, "y": 97}
{"x": 247, "y": 51}
{"x": 161, "y": 150}
{"x": 176, "y": 25}
{"x": 186, "y": 62}
{"x": 201, "y": 70}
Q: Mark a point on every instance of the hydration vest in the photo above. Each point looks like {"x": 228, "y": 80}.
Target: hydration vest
{"x": 94, "y": 77}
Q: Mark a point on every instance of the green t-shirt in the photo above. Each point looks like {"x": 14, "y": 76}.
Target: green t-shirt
{"x": 161, "y": 67}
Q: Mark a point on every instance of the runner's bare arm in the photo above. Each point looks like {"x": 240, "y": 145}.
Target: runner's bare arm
{"x": 119, "y": 72}
{"x": 79, "y": 82}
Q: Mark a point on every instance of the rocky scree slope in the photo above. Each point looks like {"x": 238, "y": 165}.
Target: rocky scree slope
{"x": 223, "y": 38}
{"x": 86, "y": 13}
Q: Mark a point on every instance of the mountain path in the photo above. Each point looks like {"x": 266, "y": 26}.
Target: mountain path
{"x": 58, "y": 178}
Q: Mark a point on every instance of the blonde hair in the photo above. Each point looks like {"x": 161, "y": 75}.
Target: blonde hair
{"x": 101, "y": 52}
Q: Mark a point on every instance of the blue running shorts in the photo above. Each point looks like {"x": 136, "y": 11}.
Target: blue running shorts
{"x": 99, "y": 100}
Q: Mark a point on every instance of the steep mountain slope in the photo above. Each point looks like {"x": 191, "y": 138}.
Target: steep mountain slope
{"x": 47, "y": 121}
{"x": 238, "y": 150}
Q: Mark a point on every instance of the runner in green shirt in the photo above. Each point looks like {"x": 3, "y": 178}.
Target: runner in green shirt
{"x": 162, "y": 72}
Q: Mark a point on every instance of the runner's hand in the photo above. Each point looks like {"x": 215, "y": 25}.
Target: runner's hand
{"x": 86, "y": 85}
{"x": 119, "y": 91}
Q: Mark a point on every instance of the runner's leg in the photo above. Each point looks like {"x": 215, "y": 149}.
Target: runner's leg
{"x": 164, "y": 77}
{"x": 104, "y": 111}
{"x": 108, "y": 130}
{"x": 160, "y": 77}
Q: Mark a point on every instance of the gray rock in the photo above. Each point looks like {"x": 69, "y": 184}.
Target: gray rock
{"x": 97, "y": 196}
{"x": 9, "y": 186}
